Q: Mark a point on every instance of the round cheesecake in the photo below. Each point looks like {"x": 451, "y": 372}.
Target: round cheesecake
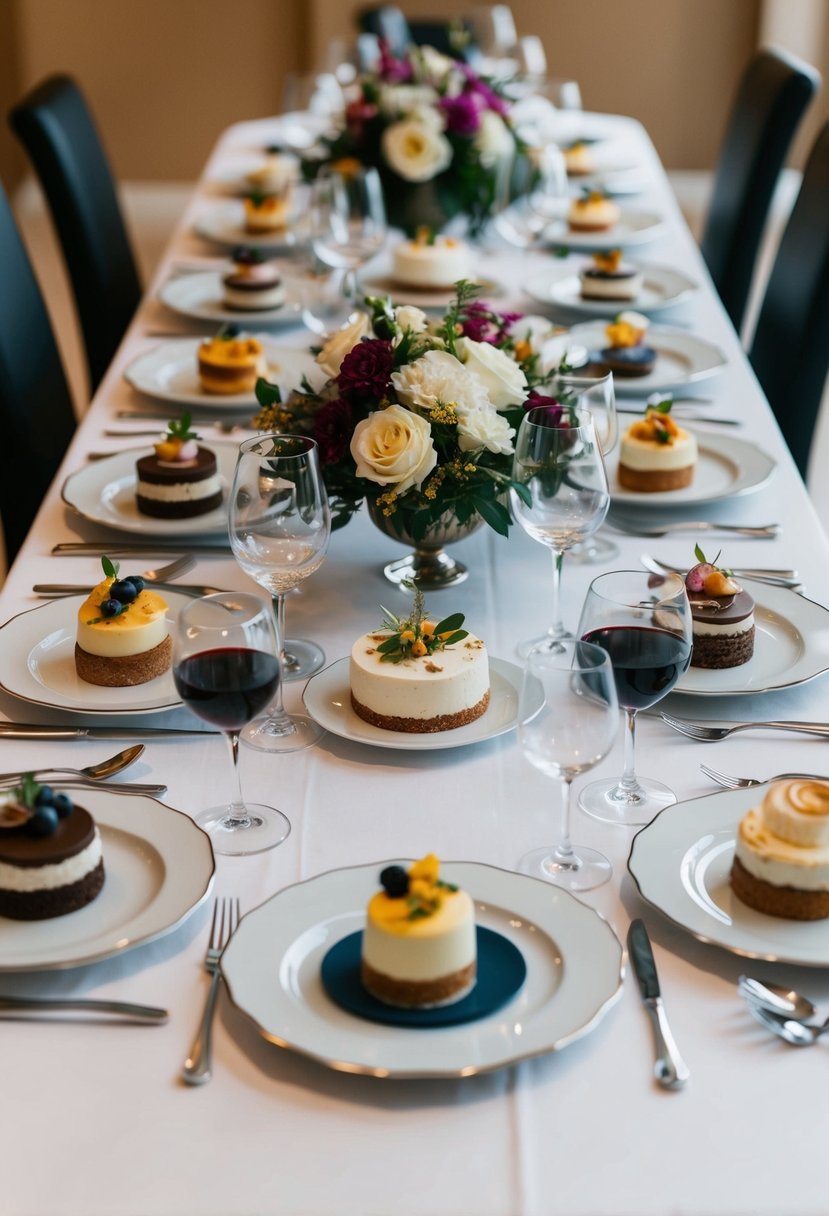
{"x": 441, "y": 691}
{"x": 248, "y": 288}
{"x": 177, "y": 489}
{"x": 622, "y": 284}
{"x": 439, "y": 264}
{"x": 781, "y": 857}
{"x": 723, "y": 629}
{"x": 579, "y": 160}
{"x": 230, "y": 365}
{"x": 46, "y": 876}
{"x": 593, "y": 214}
{"x": 648, "y": 464}
{"x": 120, "y": 651}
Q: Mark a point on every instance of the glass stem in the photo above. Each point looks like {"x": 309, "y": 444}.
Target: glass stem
{"x": 237, "y": 815}
{"x": 564, "y": 854}
{"x": 557, "y": 629}
{"x": 278, "y": 707}
{"x": 628, "y": 782}
{"x": 349, "y": 287}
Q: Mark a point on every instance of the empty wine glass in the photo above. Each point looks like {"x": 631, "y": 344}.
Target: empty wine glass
{"x": 279, "y": 530}
{"x": 348, "y": 226}
{"x": 567, "y": 719}
{"x": 643, "y": 621}
{"x": 559, "y": 463}
{"x": 598, "y": 395}
{"x": 523, "y": 218}
{"x": 226, "y": 670}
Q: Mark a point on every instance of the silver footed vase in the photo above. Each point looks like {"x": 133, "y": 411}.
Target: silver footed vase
{"x": 428, "y": 565}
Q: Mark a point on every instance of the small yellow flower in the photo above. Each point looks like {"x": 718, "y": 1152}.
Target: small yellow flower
{"x": 419, "y": 649}
{"x": 427, "y": 628}
{"x": 428, "y": 867}
{"x": 407, "y": 635}
{"x": 523, "y": 350}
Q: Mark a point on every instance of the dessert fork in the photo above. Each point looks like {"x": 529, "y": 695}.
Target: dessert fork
{"x": 776, "y": 578}
{"x": 157, "y": 577}
{"x": 710, "y": 734}
{"x": 744, "y": 783}
{"x": 198, "y": 1066}
{"x": 50, "y": 590}
{"x": 631, "y": 528}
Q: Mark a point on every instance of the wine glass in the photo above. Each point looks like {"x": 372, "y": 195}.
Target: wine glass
{"x": 567, "y": 719}
{"x": 643, "y": 621}
{"x": 598, "y": 395}
{"x": 226, "y": 670}
{"x": 523, "y": 220}
{"x": 279, "y": 530}
{"x": 559, "y": 462}
{"x": 348, "y": 226}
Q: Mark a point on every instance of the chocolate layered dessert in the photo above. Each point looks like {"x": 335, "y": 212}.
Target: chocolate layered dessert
{"x": 723, "y": 616}
{"x": 609, "y": 278}
{"x": 180, "y": 479}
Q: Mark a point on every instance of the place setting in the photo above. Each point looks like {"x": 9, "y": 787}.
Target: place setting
{"x": 608, "y": 285}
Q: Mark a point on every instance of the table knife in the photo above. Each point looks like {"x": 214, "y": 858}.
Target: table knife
{"x": 17, "y": 730}
{"x": 670, "y": 1069}
{"x": 150, "y": 1015}
{"x": 116, "y": 548}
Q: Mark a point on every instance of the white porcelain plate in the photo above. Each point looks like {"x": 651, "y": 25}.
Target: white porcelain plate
{"x": 200, "y": 296}
{"x": 633, "y": 228}
{"x": 681, "y": 862}
{"x": 681, "y": 359}
{"x": 39, "y": 666}
{"x": 791, "y": 646}
{"x": 574, "y": 972}
{"x": 169, "y": 372}
{"x": 732, "y": 468}
{"x": 662, "y": 288}
{"x": 378, "y": 283}
{"x": 328, "y": 700}
{"x": 159, "y": 868}
{"x": 225, "y": 225}
{"x": 104, "y": 492}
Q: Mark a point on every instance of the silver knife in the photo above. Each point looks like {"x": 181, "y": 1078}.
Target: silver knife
{"x": 19, "y": 730}
{"x": 150, "y": 1015}
{"x": 670, "y": 1069}
{"x": 76, "y": 548}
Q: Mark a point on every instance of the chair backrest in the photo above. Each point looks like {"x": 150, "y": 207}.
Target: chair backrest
{"x": 36, "y": 415}
{"x": 772, "y": 96}
{"x": 55, "y": 125}
{"x": 790, "y": 348}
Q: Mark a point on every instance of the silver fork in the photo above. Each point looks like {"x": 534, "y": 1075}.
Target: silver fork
{"x": 710, "y": 734}
{"x": 159, "y": 578}
{"x": 197, "y": 1067}
{"x": 777, "y": 578}
{"x": 744, "y": 783}
{"x": 631, "y": 528}
{"x": 50, "y": 590}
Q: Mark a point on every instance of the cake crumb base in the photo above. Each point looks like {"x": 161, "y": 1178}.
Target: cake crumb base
{"x": 126, "y": 671}
{"x": 718, "y": 653}
{"x": 789, "y": 903}
{"x": 421, "y": 726}
{"x": 418, "y": 994}
{"x": 53, "y": 901}
{"x": 649, "y": 480}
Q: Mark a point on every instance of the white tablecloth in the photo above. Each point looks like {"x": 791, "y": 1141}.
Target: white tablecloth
{"x": 95, "y": 1120}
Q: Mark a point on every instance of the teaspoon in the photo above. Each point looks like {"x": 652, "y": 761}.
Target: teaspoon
{"x": 92, "y": 772}
{"x": 785, "y": 1002}
{"x": 799, "y": 1034}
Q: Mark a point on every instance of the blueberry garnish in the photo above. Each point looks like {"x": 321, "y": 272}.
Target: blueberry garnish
{"x": 138, "y": 583}
{"x": 63, "y": 805}
{"x": 123, "y": 591}
{"x": 45, "y": 796}
{"x": 43, "y": 822}
{"x": 395, "y": 882}
{"x": 111, "y": 607}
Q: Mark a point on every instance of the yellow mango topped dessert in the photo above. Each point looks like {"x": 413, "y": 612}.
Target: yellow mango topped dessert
{"x": 122, "y": 636}
{"x": 627, "y": 329}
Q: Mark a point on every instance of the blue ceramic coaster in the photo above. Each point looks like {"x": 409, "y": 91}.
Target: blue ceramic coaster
{"x": 501, "y": 972}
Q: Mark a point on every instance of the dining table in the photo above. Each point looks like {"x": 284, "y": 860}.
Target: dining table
{"x": 95, "y": 1119}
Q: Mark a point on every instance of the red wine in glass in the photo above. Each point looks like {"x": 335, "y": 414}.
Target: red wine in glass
{"x": 227, "y": 687}
{"x": 647, "y": 661}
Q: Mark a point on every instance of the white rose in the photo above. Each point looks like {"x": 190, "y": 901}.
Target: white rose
{"x": 500, "y": 375}
{"x": 561, "y": 349}
{"x": 438, "y": 377}
{"x": 494, "y": 140}
{"x": 411, "y": 318}
{"x": 416, "y": 151}
{"x": 484, "y": 428}
{"x": 533, "y": 329}
{"x": 393, "y": 447}
{"x": 341, "y": 342}
{"x": 436, "y": 66}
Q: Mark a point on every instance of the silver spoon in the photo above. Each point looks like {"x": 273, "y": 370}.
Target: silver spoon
{"x": 92, "y": 772}
{"x": 799, "y": 1034}
{"x": 783, "y": 1001}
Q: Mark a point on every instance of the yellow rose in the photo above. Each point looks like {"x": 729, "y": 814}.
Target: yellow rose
{"x": 394, "y": 447}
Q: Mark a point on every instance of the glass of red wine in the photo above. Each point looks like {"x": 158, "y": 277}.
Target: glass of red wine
{"x": 643, "y": 621}
{"x": 567, "y": 720}
{"x": 226, "y": 671}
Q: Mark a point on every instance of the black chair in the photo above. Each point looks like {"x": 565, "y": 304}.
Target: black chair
{"x": 790, "y": 347}
{"x": 773, "y": 94}
{"x": 36, "y": 415}
{"x": 59, "y": 134}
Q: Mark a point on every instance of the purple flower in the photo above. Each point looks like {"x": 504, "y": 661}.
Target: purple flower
{"x": 463, "y": 113}
{"x": 488, "y": 96}
{"x": 392, "y": 69}
{"x": 551, "y": 407}
{"x": 366, "y": 369}
{"x": 333, "y": 426}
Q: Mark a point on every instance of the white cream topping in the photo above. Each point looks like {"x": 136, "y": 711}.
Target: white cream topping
{"x": 798, "y": 812}
{"x": 180, "y": 491}
{"x": 612, "y": 288}
{"x": 429, "y": 948}
{"x": 706, "y": 629}
{"x": 60, "y": 874}
{"x": 649, "y": 456}
{"x": 262, "y": 297}
{"x": 437, "y": 265}
{"x": 785, "y": 841}
{"x": 446, "y": 682}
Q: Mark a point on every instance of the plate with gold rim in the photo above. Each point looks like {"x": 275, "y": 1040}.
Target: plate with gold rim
{"x": 574, "y": 975}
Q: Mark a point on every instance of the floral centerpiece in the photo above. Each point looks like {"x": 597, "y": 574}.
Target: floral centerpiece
{"x": 435, "y": 131}
{"x": 419, "y": 418}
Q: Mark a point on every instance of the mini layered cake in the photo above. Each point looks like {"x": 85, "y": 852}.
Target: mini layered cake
{"x": 252, "y": 284}
{"x": 655, "y": 454}
{"x": 50, "y": 854}
{"x": 229, "y": 364}
{"x": 723, "y": 617}
{"x": 595, "y": 212}
{"x": 419, "y": 676}
{"x": 180, "y": 479}
{"x": 579, "y": 161}
{"x": 781, "y": 858}
{"x": 266, "y": 212}
{"x": 431, "y": 261}
{"x": 276, "y": 175}
{"x": 122, "y": 636}
{"x": 419, "y": 945}
{"x": 609, "y": 278}
{"x": 627, "y": 354}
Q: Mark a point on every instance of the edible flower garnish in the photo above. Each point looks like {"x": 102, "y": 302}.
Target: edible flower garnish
{"x": 657, "y": 426}
{"x": 36, "y": 808}
{"x": 179, "y": 444}
{"x": 122, "y": 592}
{"x": 710, "y": 578}
{"x": 609, "y": 261}
{"x": 627, "y": 329}
{"x": 421, "y": 886}
{"x": 415, "y": 636}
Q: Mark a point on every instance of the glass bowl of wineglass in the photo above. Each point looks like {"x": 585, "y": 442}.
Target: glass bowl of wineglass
{"x": 226, "y": 671}
{"x": 279, "y": 526}
{"x": 643, "y": 622}
{"x": 347, "y": 218}
{"x": 567, "y": 720}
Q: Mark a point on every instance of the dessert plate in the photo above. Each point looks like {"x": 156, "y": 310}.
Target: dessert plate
{"x": 681, "y": 862}
{"x": 574, "y": 972}
{"x": 39, "y": 667}
{"x": 200, "y": 296}
{"x": 159, "y": 869}
{"x": 328, "y": 700}
{"x": 104, "y": 492}
{"x": 169, "y": 372}
{"x": 681, "y": 359}
{"x": 423, "y": 297}
{"x": 632, "y": 228}
{"x": 791, "y": 646}
{"x": 225, "y": 225}
{"x": 732, "y": 468}
{"x": 663, "y": 288}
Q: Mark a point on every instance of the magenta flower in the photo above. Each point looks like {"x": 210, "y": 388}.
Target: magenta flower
{"x": 366, "y": 369}
{"x": 392, "y": 69}
{"x": 488, "y": 96}
{"x": 332, "y": 430}
{"x": 463, "y": 113}
{"x": 551, "y": 407}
